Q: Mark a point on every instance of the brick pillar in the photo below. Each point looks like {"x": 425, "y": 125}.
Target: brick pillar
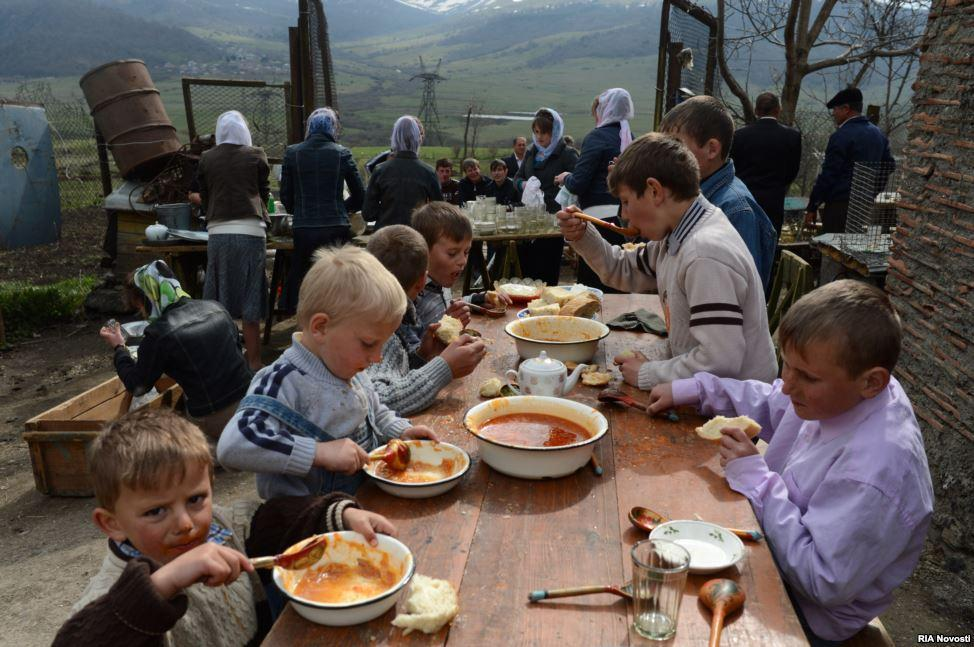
{"x": 931, "y": 281}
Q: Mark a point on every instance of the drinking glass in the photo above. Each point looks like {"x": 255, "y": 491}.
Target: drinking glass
{"x": 659, "y": 575}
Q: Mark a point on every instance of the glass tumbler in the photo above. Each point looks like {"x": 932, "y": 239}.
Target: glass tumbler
{"x": 659, "y": 575}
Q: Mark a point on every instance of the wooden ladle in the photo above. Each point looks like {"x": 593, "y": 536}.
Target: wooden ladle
{"x": 646, "y": 519}
{"x": 306, "y": 556}
{"x": 723, "y": 597}
{"x": 624, "y": 591}
{"x": 618, "y": 397}
{"x": 598, "y": 222}
{"x": 396, "y": 455}
{"x": 490, "y": 312}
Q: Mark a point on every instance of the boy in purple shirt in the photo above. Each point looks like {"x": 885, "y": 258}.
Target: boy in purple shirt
{"x": 843, "y": 491}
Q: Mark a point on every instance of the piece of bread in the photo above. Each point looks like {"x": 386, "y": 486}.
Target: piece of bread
{"x": 546, "y": 309}
{"x": 430, "y": 606}
{"x": 491, "y": 388}
{"x": 556, "y": 295}
{"x": 584, "y": 305}
{"x": 596, "y": 378}
{"x": 711, "y": 430}
{"x": 449, "y": 329}
{"x": 537, "y": 303}
{"x": 493, "y": 300}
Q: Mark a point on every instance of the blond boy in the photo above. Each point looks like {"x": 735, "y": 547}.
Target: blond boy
{"x": 843, "y": 491}
{"x": 310, "y": 418}
{"x": 412, "y": 371}
{"x": 173, "y": 571}
{"x": 712, "y": 298}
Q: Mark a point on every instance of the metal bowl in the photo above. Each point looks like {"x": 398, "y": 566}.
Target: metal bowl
{"x": 350, "y": 547}
{"x": 428, "y": 452}
{"x": 536, "y": 462}
{"x": 569, "y": 339}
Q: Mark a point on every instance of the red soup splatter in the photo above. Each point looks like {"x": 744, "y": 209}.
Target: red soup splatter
{"x": 533, "y": 430}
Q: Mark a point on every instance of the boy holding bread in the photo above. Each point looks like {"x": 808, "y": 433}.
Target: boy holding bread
{"x": 709, "y": 288}
{"x": 176, "y": 570}
{"x": 409, "y": 376}
{"x": 843, "y": 492}
{"x": 309, "y": 419}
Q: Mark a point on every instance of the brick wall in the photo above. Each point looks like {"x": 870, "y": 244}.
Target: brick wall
{"x": 931, "y": 280}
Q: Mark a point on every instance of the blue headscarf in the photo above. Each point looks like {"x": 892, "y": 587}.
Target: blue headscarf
{"x": 322, "y": 121}
{"x": 556, "y": 132}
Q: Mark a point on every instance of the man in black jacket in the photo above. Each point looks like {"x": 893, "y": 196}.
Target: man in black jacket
{"x": 766, "y": 156}
{"x": 516, "y": 158}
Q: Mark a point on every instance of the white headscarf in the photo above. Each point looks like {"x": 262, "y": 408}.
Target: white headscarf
{"x": 406, "y": 135}
{"x": 557, "y": 130}
{"x": 231, "y": 128}
{"x": 615, "y": 106}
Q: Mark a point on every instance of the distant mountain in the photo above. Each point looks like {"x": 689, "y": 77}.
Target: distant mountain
{"x": 69, "y": 37}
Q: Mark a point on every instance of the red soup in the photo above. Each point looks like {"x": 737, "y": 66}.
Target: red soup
{"x": 533, "y": 430}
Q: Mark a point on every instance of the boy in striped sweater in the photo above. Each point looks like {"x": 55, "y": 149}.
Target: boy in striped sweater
{"x": 712, "y": 297}
{"x": 408, "y": 377}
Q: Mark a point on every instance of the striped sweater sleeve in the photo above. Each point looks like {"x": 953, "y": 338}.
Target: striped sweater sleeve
{"x": 256, "y": 441}
{"x": 716, "y": 296}
{"x": 630, "y": 271}
{"x": 403, "y": 390}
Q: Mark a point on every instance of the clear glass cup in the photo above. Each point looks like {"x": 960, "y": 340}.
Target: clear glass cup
{"x": 659, "y": 575}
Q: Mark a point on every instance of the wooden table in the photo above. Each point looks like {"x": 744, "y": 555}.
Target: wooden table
{"x": 182, "y": 257}
{"x": 510, "y": 266}
{"x": 496, "y": 538}
{"x": 849, "y": 263}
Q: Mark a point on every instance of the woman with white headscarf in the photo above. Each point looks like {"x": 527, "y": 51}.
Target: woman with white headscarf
{"x": 313, "y": 177}
{"x": 612, "y": 111}
{"x": 403, "y": 182}
{"x": 546, "y": 158}
{"x": 234, "y": 187}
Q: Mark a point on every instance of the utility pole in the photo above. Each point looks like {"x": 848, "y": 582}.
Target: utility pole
{"x": 428, "y": 113}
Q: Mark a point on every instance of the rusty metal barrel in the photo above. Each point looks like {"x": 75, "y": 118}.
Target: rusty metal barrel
{"x": 129, "y": 113}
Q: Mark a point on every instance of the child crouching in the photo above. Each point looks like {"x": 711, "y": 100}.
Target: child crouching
{"x": 843, "y": 492}
{"x": 310, "y": 418}
{"x": 173, "y": 570}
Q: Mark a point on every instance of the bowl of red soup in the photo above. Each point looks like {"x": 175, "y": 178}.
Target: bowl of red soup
{"x": 569, "y": 339}
{"x": 433, "y": 469}
{"x": 535, "y": 437}
{"x": 352, "y": 583}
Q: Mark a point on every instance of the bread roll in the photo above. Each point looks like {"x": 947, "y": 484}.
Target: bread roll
{"x": 491, "y": 388}
{"x": 493, "y": 300}
{"x": 711, "y": 430}
{"x": 585, "y": 304}
{"x": 596, "y": 378}
{"x": 449, "y": 329}
{"x": 431, "y": 604}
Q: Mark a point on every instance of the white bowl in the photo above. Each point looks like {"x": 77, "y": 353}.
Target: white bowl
{"x": 586, "y": 333}
{"x": 428, "y": 452}
{"x": 347, "y": 550}
{"x": 536, "y": 462}
{"x": 711, "y": 547}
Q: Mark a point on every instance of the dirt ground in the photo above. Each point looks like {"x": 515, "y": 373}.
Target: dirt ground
{"x": 50, "y": 547}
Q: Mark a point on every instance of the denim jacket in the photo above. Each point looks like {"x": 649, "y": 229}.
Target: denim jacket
{"x": 312, "y": 182}
{"x": 588, "y": 180}
{"x": 732, "y": 197}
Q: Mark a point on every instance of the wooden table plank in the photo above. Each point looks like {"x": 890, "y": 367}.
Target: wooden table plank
{"x": 497, "y": 538}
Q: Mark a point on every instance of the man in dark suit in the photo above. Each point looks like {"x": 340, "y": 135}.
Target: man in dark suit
{"x": 766, "y": 157}
{"x": 855, "y": 139}
{"x": 516, "y": 158}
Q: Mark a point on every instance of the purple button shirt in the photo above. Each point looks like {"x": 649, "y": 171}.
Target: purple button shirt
{"x": 845, "y": 502}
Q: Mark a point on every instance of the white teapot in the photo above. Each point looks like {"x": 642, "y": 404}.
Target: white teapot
{"x": 156, "y": 232}
{"x": 543, "y": 375}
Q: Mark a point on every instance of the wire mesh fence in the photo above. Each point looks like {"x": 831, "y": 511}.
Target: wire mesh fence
{"x": 872, "y": 209}
{"x": 696, "y": 40}
{"x": 264, "y": 105}
{"x": 75, "y": 149}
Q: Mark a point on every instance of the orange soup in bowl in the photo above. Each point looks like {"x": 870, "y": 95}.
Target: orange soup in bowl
{"x": 533, "y": 430}
{"x": 342, "y": 583}
{"x": 417, "y": 471}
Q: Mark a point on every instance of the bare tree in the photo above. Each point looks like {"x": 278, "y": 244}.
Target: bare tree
{"x": 841, "y": 35}
{"x": 471, "y": 130}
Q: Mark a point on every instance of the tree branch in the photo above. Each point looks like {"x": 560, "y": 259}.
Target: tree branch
{"x": 845, "y": 60}
{"x": 725, "y": 71}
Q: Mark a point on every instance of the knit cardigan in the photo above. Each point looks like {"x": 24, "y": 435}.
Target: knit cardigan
{"x": 710, "y": 291}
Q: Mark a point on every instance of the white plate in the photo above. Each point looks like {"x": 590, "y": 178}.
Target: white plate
{"x": 711, "y": 547}
{"x": 186, "y": 234}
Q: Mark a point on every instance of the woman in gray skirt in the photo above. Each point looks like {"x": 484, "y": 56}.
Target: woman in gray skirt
{"x": 234, "y": 188}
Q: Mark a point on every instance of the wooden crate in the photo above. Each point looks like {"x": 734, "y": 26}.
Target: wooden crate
{"x": 58, "y": 439}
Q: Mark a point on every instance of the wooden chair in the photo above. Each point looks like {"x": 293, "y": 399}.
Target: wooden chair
{"x": 872, "y": 635}
{"x": 792, "y": 280}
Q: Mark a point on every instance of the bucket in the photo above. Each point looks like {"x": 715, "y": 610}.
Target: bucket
{"x": 129, "y": 113}
{"x": 175, "y": 216}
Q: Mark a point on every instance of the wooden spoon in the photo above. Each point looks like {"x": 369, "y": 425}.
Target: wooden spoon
{"x": 625, "y": 231}
{"x": 306, "y": 556}
{"x": 396, "y": 455}
{"x": 490, "y": 312}
{"x": 618, "y": 397}
{"x": 723, "y": 597}
{"x": 624, "y": 591}
{"x": 646, "y": 519}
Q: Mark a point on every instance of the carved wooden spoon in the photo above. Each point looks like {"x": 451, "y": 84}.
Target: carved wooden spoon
{"x": 723, "y": 597}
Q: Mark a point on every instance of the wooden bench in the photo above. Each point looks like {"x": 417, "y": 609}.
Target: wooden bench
{"x": 58, "y": 439}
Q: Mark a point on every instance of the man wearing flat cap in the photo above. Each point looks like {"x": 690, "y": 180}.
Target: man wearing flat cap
{"x": 856, "y": 139}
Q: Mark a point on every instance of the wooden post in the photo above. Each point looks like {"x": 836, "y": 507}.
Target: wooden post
{"x": 188, "y": 104}
{"x": 664, "y": 40}
{"x": 103, "y": 167}
{"x": 295, "y": 98}
{"x": 674, "y": 75}
{"x": 466, "y": 128}
{"x": 307, "y": 69}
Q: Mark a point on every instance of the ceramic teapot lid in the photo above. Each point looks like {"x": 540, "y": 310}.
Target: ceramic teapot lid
{"x": 543, "y": 364}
